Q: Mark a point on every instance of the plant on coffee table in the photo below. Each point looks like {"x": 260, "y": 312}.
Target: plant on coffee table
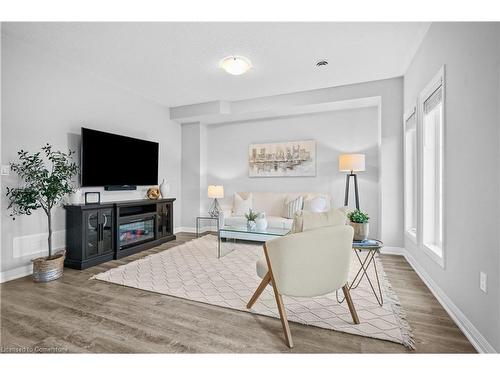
{"x": 251, "y": 216}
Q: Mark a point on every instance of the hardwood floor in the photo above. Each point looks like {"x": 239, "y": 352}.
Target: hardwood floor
{"x": 75, "y": 314}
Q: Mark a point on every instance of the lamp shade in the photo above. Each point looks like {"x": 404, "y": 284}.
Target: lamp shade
{"x": 352, "y": 162}
{"x": 215, "y": 191}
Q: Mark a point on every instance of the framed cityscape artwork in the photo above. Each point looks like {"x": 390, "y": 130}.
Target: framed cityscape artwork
{"x": 286, "y": 159}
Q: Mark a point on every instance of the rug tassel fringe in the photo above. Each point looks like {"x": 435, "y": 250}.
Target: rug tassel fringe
{"x": 399, "y": 311}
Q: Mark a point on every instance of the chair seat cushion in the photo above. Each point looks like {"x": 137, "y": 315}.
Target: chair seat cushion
{"x": 261, "y": 266}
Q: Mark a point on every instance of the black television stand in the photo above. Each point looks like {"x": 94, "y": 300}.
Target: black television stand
{"x": 97, "y": 233}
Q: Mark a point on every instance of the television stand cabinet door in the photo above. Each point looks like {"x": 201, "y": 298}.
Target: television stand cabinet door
{"x": 89, "y": 235}
{"x": 164, "y": 219}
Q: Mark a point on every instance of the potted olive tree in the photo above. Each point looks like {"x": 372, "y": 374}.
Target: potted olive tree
{"x": 46, "y": 179}
{"x": 359, "y": 222}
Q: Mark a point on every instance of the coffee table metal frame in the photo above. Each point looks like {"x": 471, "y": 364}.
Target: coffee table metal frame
{"x": 243, "y": 233}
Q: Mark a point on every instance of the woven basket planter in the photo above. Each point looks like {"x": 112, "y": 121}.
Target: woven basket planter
{"x": 45, "y": 269}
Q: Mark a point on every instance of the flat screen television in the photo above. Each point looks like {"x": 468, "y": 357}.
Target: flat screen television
{"x": 117, "y": 162}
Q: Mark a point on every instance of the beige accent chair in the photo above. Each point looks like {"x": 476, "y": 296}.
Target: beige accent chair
{"x": 306, "y": 264}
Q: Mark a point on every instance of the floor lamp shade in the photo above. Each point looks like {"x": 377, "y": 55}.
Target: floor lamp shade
{"x": 352, "y": 162}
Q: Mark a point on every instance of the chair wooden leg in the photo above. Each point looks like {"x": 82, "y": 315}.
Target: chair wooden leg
{"x": 352, "y": 309}
{"x": 279, "y": 302}
{"x": 265, "y": 281}
{"x": 283, "y": 318}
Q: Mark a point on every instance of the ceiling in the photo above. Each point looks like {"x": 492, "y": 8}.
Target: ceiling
{"x": 177, "y": 63}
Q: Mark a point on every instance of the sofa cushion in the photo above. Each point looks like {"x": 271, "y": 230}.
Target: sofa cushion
{"x": 316, "y": 203}
{"x": 272, "y": 203}
{"x": 272, "y": 221}
{"x": 292, "y": 206}
{"x": 242, "y": 205}
{"x": 306, "y": 220}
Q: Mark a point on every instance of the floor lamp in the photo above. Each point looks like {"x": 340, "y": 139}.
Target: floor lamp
{"x": 351, "y": 163}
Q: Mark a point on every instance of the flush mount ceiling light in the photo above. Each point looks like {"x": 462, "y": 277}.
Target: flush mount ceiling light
{"x": 235, "y": 65}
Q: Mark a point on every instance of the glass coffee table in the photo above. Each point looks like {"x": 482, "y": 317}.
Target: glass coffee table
{"x": 243, "y": 233}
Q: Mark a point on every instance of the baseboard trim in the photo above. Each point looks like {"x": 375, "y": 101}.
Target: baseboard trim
{"x": 16, "y": 273}
{"x": 185, "y": 229}
{"x": 469, "y": 330}
{"x": 193, "y": 229}
{"x": 392, "y": 250}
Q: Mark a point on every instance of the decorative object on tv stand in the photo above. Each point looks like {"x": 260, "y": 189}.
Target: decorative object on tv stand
{"x": 261, "y": 221}
{"x": 359, "y": 222}
{"x": 75, "y": 197}
{"x": 46, "y": 182}
{"x": 251, "y": 216}
{"x": 351, "y": 163}
{"x": 92, "y": 197}
{"x": 215, "y": 192}
{"x": 153, "y": 192}
{"x": 287, "y": 159}
{"x": 164, "y": 188}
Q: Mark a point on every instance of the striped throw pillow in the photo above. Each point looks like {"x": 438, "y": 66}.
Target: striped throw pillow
{"x": 293, "y": 206}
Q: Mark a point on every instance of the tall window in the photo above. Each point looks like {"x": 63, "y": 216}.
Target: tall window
{"x": 432, "y": 108}
{"x": 410, "y": 160}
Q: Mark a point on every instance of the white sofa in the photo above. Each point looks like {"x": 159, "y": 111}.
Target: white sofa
{"x": 273, "y": 204}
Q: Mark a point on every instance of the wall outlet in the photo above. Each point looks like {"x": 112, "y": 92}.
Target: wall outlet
{"x": 5, "y": 170}
{"x": 483, "y": 281}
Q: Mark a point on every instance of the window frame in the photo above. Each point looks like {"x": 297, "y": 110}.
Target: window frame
{"x": 411, "y": 236}
{"x": 439, "y": 79}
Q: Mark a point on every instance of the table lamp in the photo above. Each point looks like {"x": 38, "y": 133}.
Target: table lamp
{"x": 215, "y": 192}
{"x": 351, "y": 163}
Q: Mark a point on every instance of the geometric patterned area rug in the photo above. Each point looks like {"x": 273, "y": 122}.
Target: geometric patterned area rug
{"x": 192, "y": 271}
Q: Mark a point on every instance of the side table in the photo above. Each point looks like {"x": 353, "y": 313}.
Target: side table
{"x": 372, "y": 247}
{"x": 199, "y": 218}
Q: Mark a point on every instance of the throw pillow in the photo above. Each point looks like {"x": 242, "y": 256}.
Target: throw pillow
{"x": 241, "y": 205}
{"x": 306, "y": 220}
{"x": 292, "y": 207}
{"x": 317, "y": 203}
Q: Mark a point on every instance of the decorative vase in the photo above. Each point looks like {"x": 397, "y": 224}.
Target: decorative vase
{"x": 47, "y": 269}
{"x": 261, "y": 221}
{"x": 251, "y": 225}
{"x": 76, "y": 197}
{"x": 361, "y": 231}
{"x": 164, "y": 188}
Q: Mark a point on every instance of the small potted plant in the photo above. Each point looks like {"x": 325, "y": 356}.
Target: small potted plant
{"x": 251, "y": 216}
{"x": 46, "y": 180}
{"x": 359, "y": 222}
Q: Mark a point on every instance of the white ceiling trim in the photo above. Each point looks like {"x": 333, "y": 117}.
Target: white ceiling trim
{"x": 207, "y": 113}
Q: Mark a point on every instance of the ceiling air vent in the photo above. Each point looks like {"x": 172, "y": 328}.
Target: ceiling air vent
{"x": 321, "y": 63}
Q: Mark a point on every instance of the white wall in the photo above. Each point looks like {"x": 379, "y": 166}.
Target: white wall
{"x": 470, "y": 52}
{"x": 190, "y": 172}
{"x": 345, "y": 131}
{"x": 390, "y": 93}
{"x": 47, "y": 100}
